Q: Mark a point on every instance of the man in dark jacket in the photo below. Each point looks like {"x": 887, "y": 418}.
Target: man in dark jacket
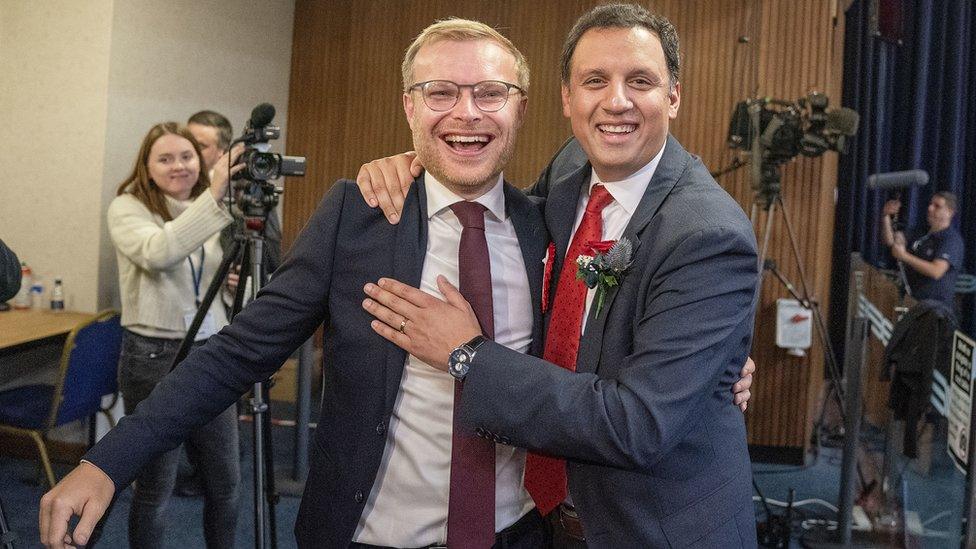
{"x": 9, "y": 273}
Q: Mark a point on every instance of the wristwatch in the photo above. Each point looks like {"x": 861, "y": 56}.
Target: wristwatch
{"x": 459, "y": 362}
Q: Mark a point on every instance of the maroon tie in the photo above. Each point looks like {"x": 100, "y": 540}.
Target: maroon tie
{"x": 471, "y": 507}
{"x": 545, "y": 477}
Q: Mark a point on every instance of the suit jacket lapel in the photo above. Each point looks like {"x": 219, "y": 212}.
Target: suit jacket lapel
{"x": 561, "y": 214}
{"x": 673, "y": 163}
{"x": 408, "y": 265}
{"x": 533, "y": 240}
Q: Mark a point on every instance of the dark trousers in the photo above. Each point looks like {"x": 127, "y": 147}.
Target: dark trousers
{"x": 143, "y": 363}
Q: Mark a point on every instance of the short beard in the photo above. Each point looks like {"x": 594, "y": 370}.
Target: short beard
{"x": 432, "y": 162}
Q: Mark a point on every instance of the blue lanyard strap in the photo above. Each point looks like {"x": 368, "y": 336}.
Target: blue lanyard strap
{"x": 197, "y": 275}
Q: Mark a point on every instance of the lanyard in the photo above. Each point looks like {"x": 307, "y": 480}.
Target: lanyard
{"x": 197, "y": 275}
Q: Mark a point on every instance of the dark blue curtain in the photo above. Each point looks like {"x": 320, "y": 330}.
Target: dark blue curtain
{"x": 917, "y": 102}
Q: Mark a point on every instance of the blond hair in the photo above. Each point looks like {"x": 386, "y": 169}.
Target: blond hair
{"x": 462, "y": 30}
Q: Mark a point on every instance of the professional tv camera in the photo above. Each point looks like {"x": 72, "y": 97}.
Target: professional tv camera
{"x": 774, "y": 131}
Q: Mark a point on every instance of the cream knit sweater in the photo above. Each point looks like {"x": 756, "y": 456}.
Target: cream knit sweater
{"x": 154, "y": 275}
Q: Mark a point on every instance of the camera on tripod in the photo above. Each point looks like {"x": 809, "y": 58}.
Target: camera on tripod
{"x": 252, "y": 190}
{"x": 787, "y": 128}
{"x": 265, "y": 166}
{"x": 774, "y": 131}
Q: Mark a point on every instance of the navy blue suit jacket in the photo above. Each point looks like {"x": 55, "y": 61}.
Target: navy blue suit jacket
{"x": 345, "y": 245}
{"x": 657, "y": 452}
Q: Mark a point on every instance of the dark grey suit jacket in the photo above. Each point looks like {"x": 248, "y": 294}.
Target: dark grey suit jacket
{"x": 658, "y": 454}
{"x": 345, "y": 245}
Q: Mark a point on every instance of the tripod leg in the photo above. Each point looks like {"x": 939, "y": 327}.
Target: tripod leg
{"x": 241, "y": 284}
{"x": 271, "y": 493}
{"x": 767, "y": 233}
{"x": 258, "y": 407}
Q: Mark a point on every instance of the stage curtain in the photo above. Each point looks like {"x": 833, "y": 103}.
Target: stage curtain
{"x": 917, "y": 102}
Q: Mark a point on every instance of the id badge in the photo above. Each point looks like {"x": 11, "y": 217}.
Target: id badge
{"x": 207, "y": 328}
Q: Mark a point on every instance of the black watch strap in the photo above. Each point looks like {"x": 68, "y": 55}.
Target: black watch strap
{"x": 475, "y": 342}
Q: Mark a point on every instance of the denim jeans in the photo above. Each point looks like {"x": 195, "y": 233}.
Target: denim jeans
{"x": 143, "y": 363}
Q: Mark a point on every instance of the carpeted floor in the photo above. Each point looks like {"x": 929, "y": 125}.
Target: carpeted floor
{"x": 21, "y": 491}
{"x": 934, "y": 497}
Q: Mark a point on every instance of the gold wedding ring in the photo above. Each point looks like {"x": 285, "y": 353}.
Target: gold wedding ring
{"x": 403, "y": 324}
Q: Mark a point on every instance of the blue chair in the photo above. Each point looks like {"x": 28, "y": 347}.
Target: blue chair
{"x": 87, "y": 372}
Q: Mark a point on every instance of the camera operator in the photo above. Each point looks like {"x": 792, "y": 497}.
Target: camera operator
{"x": 165, "y": 225}
{"x": 934, "y": 258}
{"x": 213, "y": 131}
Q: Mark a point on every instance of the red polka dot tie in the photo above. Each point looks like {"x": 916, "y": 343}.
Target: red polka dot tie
{"x": 545, "y": 477}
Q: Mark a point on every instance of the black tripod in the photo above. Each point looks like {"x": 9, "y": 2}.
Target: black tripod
{"x": 254, "y": 204}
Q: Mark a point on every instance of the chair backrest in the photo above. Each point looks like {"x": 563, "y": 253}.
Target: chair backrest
{"x": 89, "y": 365}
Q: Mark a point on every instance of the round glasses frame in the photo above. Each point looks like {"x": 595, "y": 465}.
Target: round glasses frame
{"x": 451, "y": 94}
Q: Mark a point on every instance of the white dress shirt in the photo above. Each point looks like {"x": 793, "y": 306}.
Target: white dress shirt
{"x": 627, "y": 194}
{"x": 408, "y": 504}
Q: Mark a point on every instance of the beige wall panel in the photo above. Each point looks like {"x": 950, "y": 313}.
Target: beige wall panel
{"x": 52, "y": 101}
{"x": 83, "y": 82}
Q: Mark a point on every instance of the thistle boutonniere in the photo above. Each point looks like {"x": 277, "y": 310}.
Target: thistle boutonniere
{"x": 605, "y": 268}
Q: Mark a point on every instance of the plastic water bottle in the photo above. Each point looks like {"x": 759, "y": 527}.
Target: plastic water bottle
{"x": 57, "y": 296}
{"x": 37, "y": 294}
{"x": 23, "y": 298}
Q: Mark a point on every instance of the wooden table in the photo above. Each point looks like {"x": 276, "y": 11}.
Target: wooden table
{"x": 24, "y": 326}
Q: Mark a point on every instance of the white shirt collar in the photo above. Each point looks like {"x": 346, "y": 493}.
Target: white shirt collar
{"x": 440, "y": 197}
{"x": 628, "y": 191}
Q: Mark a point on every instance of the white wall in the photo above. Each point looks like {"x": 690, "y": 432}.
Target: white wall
{"x": 54, "y": 73}
{"x": 81, "y": 84}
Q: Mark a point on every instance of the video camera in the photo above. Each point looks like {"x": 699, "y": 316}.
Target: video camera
{"x": 262, "y": 165}
{"x": 774, "y": 131}
{"x": 788, "y": 128}
{"x": 252, "y": 190}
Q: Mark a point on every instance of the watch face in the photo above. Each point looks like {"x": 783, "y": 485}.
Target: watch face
{"x": 459, "y": 362}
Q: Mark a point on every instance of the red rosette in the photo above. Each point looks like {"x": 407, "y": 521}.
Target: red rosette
{"x": 547, "y": 275}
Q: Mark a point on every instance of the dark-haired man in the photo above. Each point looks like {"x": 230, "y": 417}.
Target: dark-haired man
{"x": 214, "y": 133}
{"x": 935, "y": 256}
{"x": 634, "y": 390}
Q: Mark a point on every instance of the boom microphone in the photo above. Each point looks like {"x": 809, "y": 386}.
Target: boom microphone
{"x": 897, "y": 180}
{"x": 259, "y": 128}
{"x": 262, "y": 115}
{"x": 843, "y": 121}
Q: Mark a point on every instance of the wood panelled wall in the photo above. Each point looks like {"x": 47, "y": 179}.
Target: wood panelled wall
{"x": 345, "y": 108}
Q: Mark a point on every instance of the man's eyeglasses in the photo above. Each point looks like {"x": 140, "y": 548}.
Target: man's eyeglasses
{"x": 442, "y": 95}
